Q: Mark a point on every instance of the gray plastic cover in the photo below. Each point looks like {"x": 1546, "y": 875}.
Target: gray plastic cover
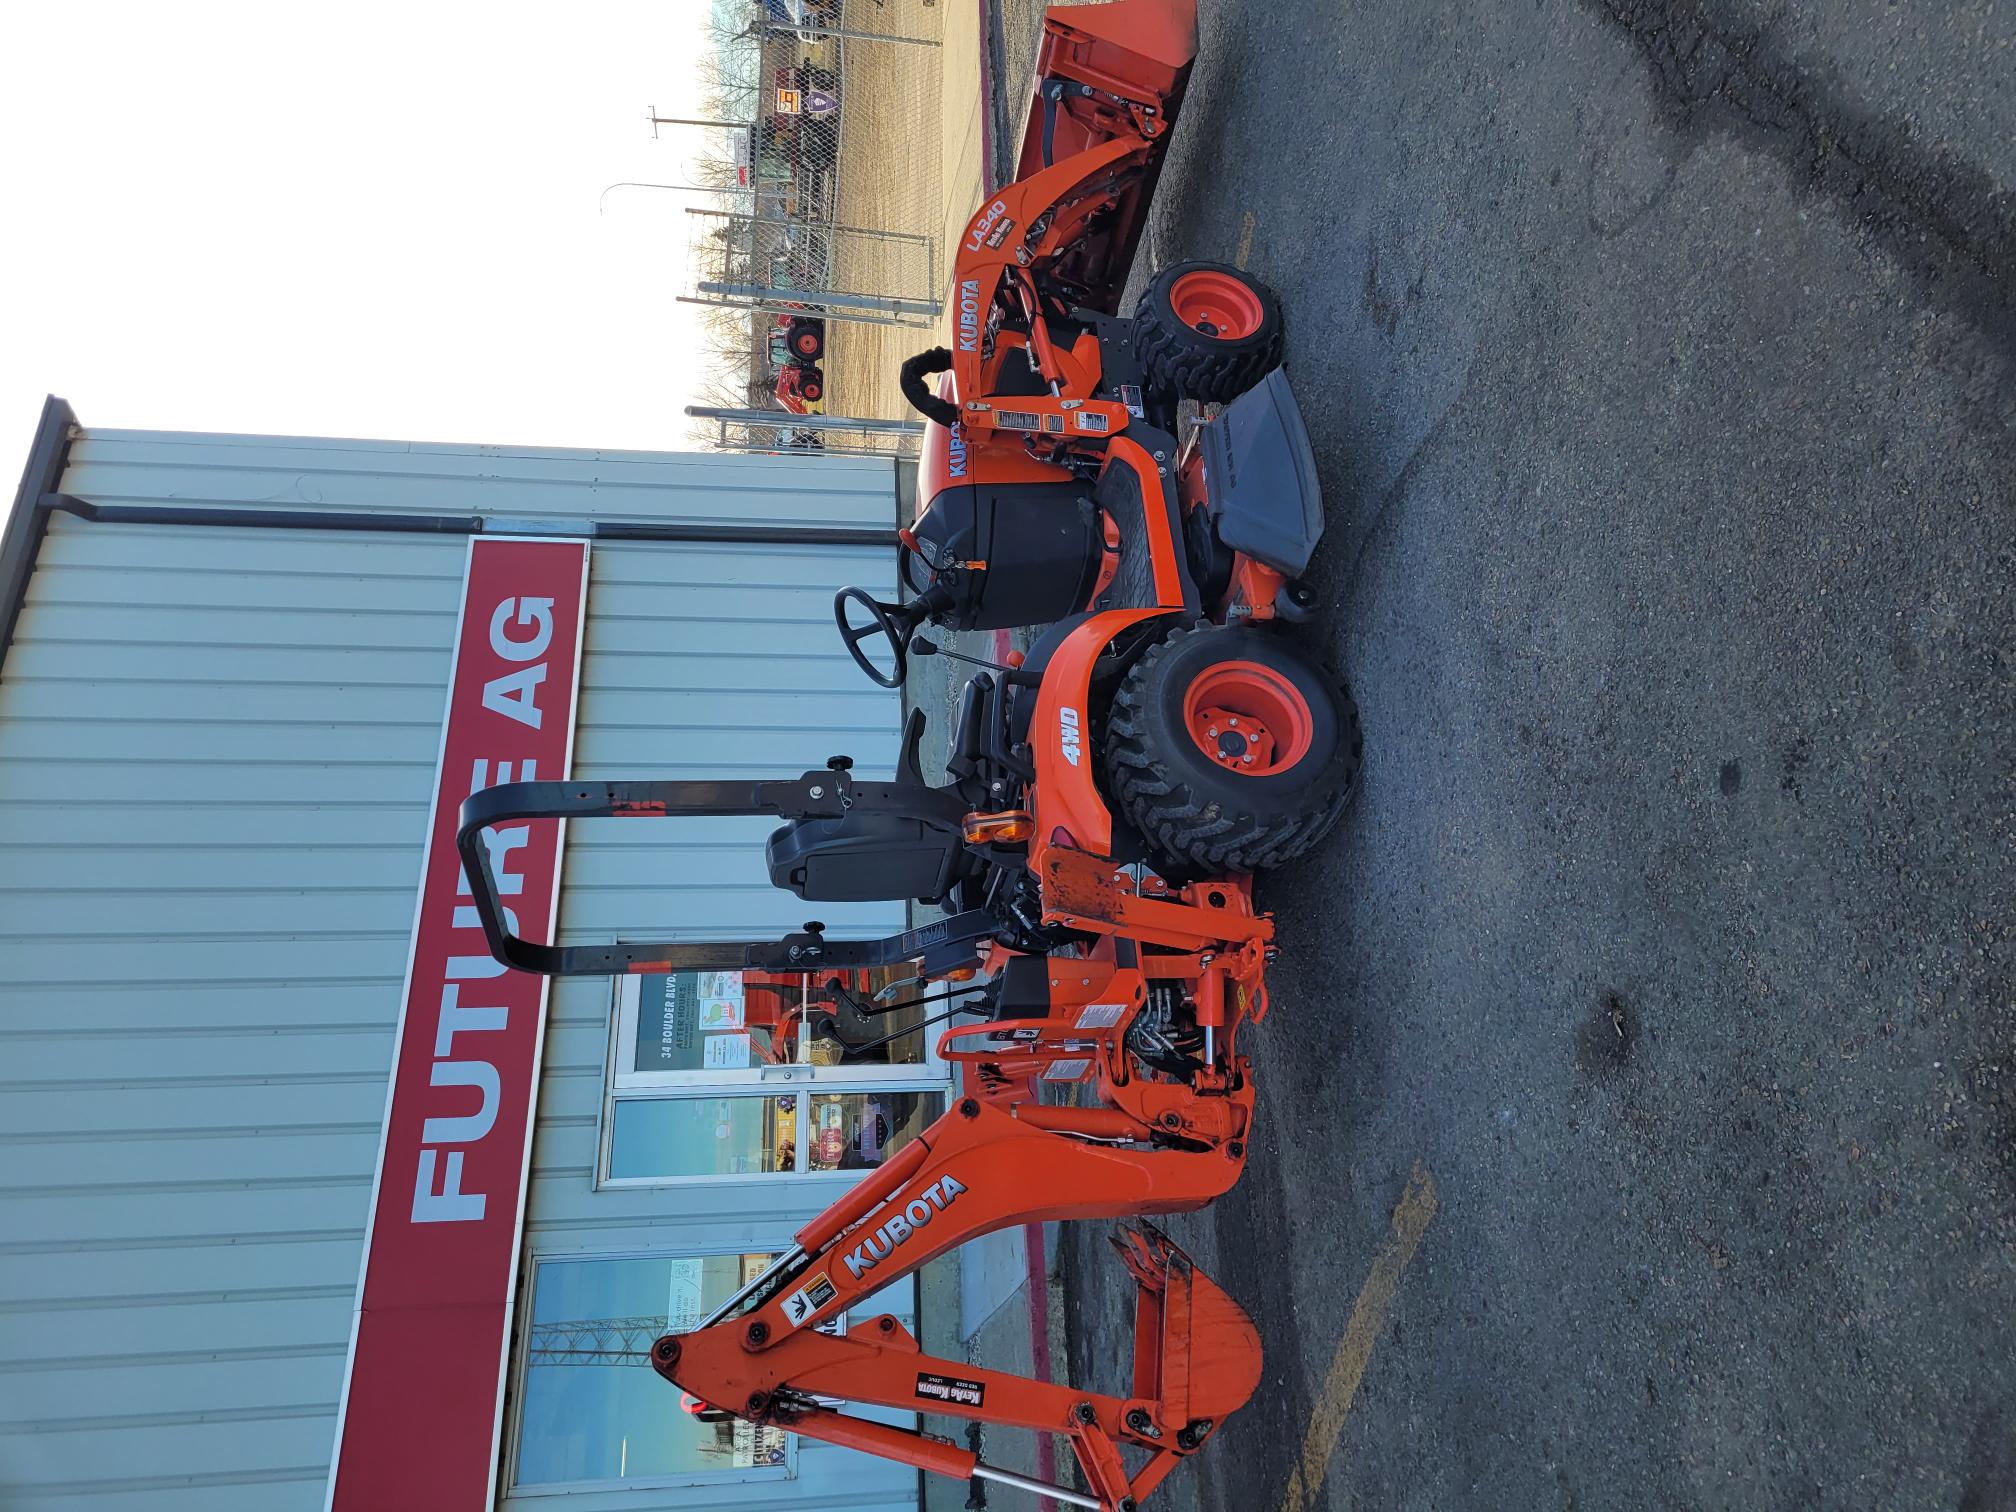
{"x": 1260, "y": 474}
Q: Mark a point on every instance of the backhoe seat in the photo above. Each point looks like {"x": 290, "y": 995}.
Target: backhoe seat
{"x": 866, "y": 858}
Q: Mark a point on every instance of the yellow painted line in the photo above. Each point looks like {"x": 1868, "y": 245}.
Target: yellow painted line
{"x": 1411, "y": 1217}
{"x": 1245, "y": 240}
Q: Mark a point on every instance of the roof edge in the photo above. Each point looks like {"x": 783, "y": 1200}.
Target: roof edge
{"x": 21, "y": 542}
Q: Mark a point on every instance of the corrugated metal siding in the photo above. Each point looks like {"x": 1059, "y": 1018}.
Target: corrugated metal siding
{"x": 216, "y": 750}
{"x": 215, "y": 756}
{"x": 671, "y": 688}
{"x": 115, "y": 467}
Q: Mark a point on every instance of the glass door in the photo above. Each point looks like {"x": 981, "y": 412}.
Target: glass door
{"x": 732, "y": 1076}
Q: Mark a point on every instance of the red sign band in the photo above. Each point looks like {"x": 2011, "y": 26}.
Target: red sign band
{"x": 423, "y": 1395}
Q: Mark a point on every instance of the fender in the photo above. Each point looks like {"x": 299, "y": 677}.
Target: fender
{"x": 1067, "y": 792}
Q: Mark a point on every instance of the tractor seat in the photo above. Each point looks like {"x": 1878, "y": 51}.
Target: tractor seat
{"x": 1133, "y": 510}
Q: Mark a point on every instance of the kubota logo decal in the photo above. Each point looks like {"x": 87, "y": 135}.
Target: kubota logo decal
{"x": 1067, "y": 733}
{"x": 969, "y": 314}
{"x": 899, "y": 1226}
{"x": 955, "y": 452}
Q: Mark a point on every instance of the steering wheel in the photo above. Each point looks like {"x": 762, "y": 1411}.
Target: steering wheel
{"x": 884, "y": 622}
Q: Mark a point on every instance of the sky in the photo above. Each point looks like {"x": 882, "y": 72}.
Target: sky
{"x": 368, "y": 219}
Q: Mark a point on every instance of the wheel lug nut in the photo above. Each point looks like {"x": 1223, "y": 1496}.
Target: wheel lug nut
{"x": 1233, "y": 721}
{"x": 1212, "y": 731}
{"x": 1248, "y": 759}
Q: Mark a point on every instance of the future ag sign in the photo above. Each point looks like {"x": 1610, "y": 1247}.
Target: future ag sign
{"x": 423, "y": 1394}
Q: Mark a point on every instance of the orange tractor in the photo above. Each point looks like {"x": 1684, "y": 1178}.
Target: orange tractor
{"x": 1107, "y": 799}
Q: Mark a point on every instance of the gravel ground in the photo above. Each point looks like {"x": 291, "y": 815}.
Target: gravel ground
{"x": 1658, "y": 361}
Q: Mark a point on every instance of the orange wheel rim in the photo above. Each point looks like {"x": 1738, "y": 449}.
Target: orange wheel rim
{"x": 1248, "y": 718}
{"x": 1217, "y": 304}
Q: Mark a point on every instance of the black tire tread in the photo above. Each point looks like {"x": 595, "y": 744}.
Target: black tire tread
{"x": 1173, "y": 361}
{"x": 1191, "y": 830}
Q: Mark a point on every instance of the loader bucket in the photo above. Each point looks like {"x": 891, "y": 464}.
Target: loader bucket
{"x": 1093, "y": 58}
{"x": 1148, "y": 43}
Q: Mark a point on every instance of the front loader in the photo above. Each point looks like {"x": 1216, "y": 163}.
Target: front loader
{"x": 1107, "y": 799}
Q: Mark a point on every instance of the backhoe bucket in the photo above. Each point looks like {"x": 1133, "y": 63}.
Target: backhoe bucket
{"x": 1195, "y": 1350}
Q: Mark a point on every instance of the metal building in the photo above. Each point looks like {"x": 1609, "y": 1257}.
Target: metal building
{"x": 221, "y": 708}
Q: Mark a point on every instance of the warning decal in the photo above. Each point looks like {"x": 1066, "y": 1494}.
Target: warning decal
{"x": 809, "y": 1298}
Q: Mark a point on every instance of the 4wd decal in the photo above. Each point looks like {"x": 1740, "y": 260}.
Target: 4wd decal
{"x": 953, "y": 1389}
{"x": 897, "y": 1228}
{"x": 1067, "y": 734}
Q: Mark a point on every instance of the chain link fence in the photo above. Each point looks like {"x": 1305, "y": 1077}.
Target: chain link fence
{"x": 832, "y": 435}
{"x": 829, "y": 232}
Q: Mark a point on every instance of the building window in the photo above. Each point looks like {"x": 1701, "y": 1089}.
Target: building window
{"x": 592, "y": 1411}
{"x": 716, "y": 1076}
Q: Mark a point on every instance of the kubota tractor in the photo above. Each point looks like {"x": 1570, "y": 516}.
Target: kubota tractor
{"x": 1105, "y": 803}
{"x": 800, "y": 387}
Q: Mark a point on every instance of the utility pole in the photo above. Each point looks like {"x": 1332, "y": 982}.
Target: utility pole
{"x": 657, "y": 120}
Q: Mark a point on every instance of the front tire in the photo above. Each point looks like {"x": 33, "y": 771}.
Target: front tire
{"x": 1230, "y": 751}
{"x": 1206, "y": 331}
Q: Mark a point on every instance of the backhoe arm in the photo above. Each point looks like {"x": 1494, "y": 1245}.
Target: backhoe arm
{"x": 979, "y": 1168}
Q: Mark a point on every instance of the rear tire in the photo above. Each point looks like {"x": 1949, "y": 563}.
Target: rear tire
{"x": 1197, "y": 813}
{"x": 811, "y": 388}
{"x": 1242, "y": 345}
{"x": 806, "y": 341}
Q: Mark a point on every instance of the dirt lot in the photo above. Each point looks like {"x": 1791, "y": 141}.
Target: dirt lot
{"x": 890, "y": 178}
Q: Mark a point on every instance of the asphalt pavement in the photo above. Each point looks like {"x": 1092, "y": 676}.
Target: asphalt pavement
{"x": 1659, "y": 364}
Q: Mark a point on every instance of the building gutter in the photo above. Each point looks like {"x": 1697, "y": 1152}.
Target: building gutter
{"x": 21, "y": 542}
{"x": 37, "y": 499}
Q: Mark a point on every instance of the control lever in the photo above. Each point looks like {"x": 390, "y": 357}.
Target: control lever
{"x": 1012, "y": 671}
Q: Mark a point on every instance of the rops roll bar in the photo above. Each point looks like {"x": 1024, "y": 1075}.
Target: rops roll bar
{"x": 831, "y": 794}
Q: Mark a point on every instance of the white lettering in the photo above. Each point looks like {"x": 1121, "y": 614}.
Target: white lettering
{"x": 899, "y": 1226}
{"x": 454, "y": 1020}
{"x": 450, "y": 1204}
{"x": 478, "y": 1074}
{"x": 969, "y": 315}
{"x": 530, "y": 611}
{"x": 515, "y": 695}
